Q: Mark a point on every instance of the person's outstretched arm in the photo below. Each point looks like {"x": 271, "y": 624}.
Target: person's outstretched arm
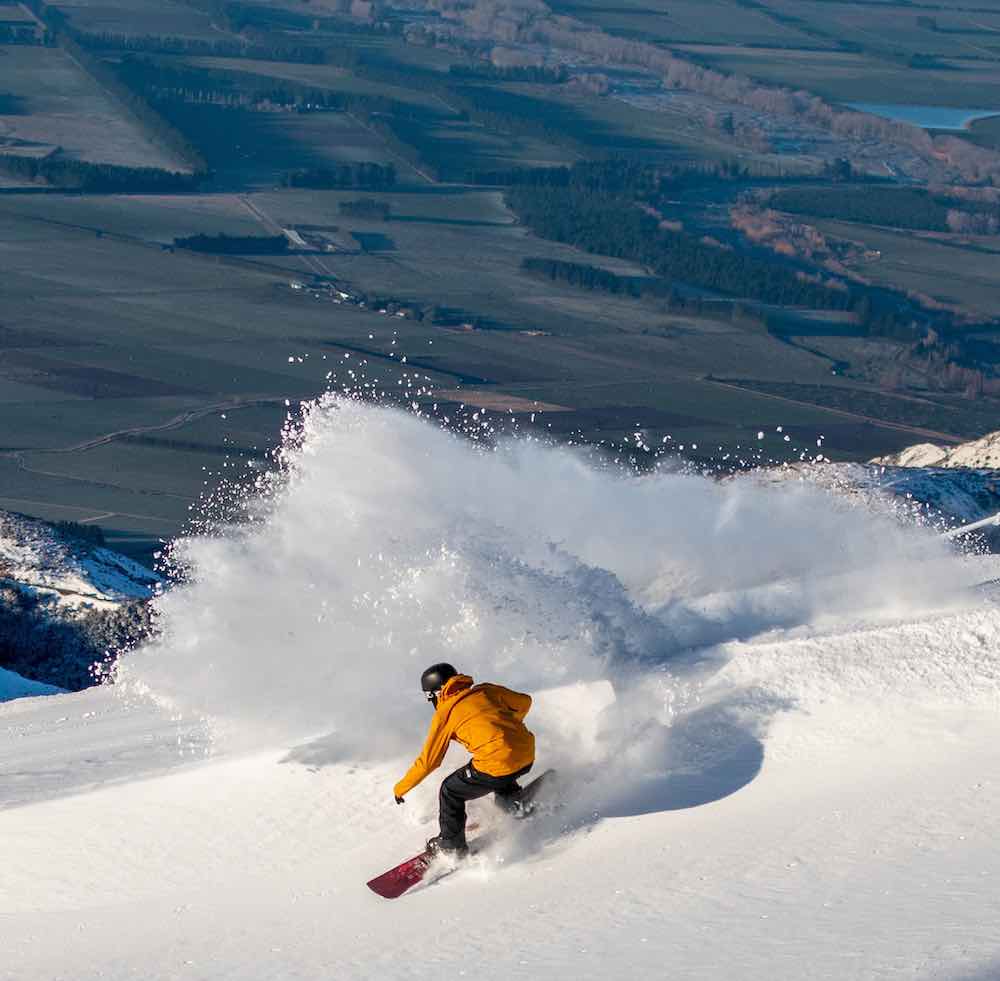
{"x": 435, "y": 746}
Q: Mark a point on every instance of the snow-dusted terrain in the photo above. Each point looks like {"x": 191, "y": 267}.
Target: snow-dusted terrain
{"x": 981, "y": 453}
{"x": 943, "y": 498}
{"x": 775, "y": 710}
{"x": 65, "y": 572}
{"x": 65, "y": 601}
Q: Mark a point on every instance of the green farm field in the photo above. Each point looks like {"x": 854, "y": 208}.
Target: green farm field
{"x": 951, "y": 273}
{"x": 885, "y": 27}
{"x": 135, "y": 375}
{"x": 148, "y": 218}
{"x": 712, "y": 21}
{"x": 617, "y": 127}
{"x": 256, "y": 149}
{"x": 60, "y": 107}
{"x": 142, "y": 17}
{"x": 329, "y": 77}
{"x": 842, "y": 76}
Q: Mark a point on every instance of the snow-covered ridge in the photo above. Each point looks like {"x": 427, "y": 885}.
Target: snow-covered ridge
{"x": 979, "y": 454}
{"x": 64, "y": 571}
{"x": 65, "y": 602}
{"x": 940, "y": 497}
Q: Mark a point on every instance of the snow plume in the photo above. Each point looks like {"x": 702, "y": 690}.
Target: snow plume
{"x": 386, "y": 543}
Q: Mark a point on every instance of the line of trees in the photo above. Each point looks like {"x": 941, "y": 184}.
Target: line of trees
{"x": 669, "y": 298}
{"x": 96, "y": 177}
{"x": 234, "y": 244}
{"x": 898, "y": 207}
{"x": 521, "y": 177}
{"x": 614, "y": 225}
{"x": 251, "y": 18}
{"x": 588, "y": 277}
{"x": 200, "y": 47}
{"x": 615, "y": 175}
{"x": 29, "y": 34}
{"x": 372, "y": 176}
{"x": 536, "y": 74}
{"x": 162, "y": 83}
{"x": 371, "y": 208}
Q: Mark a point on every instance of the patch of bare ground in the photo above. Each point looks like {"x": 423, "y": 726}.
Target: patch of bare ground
{"x": 497, "y": 401}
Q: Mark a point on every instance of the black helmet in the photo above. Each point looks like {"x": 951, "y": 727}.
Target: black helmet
{"x": 434, "y": 678}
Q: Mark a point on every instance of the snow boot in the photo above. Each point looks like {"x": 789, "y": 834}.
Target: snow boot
{"x": 512, "y": 804}
{"x": 452, "y": 848}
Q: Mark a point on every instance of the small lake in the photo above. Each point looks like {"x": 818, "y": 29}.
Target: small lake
{"x": 929, "y": 117}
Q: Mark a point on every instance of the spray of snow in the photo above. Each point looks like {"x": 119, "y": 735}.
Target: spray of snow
{"x": 385, "y": 543}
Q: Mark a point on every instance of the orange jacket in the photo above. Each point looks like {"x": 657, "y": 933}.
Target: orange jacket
{"x": 488, "y": 720}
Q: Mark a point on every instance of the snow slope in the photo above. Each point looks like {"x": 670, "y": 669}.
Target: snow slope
{"x": 793, "y": 775}
{"x": 12, "y": 685}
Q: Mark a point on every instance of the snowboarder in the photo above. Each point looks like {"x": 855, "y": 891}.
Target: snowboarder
{"x": 488, "y": 720}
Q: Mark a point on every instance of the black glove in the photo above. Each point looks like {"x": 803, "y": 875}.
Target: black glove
{"x": 399, "y": 800}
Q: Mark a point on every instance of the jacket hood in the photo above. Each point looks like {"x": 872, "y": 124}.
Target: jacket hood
{"x": 454, "y": 687}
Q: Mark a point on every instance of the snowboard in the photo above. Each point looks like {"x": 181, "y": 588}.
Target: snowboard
{"x": 392, "y": 884}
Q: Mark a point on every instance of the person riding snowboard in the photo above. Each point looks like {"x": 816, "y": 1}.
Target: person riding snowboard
{"x": 488, "y": 720}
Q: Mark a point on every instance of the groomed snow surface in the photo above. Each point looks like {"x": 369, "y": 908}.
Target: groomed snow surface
{"x": 774, "y": 712}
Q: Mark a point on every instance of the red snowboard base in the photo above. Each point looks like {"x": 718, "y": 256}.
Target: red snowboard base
{"x": 392, "y": 884}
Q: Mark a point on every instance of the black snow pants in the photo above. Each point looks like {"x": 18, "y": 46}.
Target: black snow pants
{"x": 466, "y": 784}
